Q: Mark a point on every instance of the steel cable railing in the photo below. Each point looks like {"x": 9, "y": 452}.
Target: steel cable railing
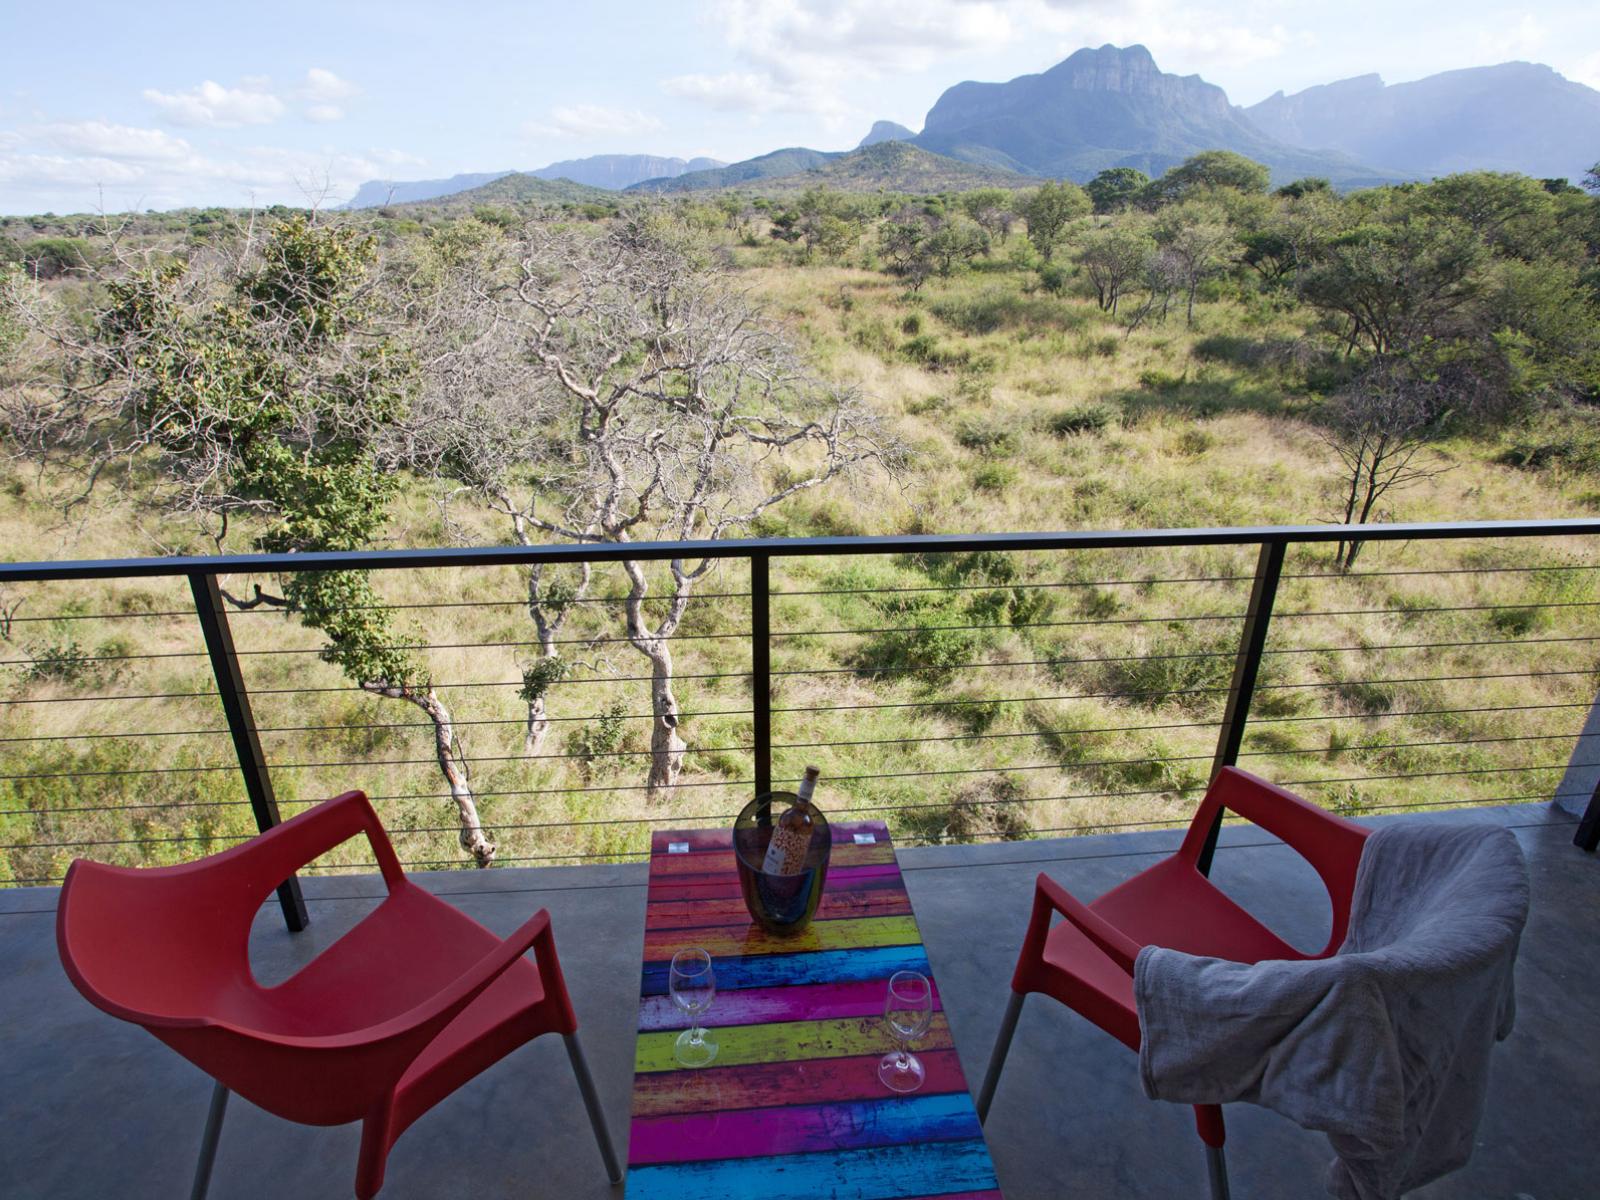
{"x": 1022, "y": 695}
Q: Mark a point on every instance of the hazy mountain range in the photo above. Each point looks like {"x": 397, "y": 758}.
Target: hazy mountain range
{"x": 1111, "y": 107}
{"x": 1514, "y": 117}
{"x": 612, "y": 172}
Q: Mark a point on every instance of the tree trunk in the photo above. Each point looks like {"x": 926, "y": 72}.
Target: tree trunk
{"x": 666, "y": 747}
{"x": 472, "y": 837}
{"x": 538, "y": 726}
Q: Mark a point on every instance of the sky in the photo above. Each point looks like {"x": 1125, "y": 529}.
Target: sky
{"x": 162, "y": 104}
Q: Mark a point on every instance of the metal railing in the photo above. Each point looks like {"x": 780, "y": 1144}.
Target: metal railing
{"x": 899, "y": 664}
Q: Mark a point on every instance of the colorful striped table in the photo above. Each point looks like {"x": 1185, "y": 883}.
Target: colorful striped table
{"x": 792, "y": 1108}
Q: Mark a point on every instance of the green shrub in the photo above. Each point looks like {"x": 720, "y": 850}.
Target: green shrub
{"x": 994, "y": 476}
{"x": 987, "y": 435}
{"x": 1091, "y": 418}
{"x": 600, "y": 739}
{"x": 993, "y": 808}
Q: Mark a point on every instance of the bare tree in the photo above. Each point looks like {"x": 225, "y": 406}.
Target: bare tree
{"x": 661, "y": 405}
{"x": 1380, "y": 428}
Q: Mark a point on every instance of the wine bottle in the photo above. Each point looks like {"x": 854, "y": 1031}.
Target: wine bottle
{"x": 791, "y": 836}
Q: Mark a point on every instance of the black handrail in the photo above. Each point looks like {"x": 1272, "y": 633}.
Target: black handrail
{"x": 932, "y": 543}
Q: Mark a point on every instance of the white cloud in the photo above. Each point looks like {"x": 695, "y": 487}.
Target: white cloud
{"x": 801, "y": 55}
{"x": 324, "y": 94}
{"x": 1586, "y": 70}
{"x": 104, "y": 140}
{"x": 321, "y": 97}
{"x": 86, "y": 165}
{"x": 213, "y": 106}
{"x": 733, "y": 91}
{"x": 592, "y": 120}
{"x": 1182, "y": 35}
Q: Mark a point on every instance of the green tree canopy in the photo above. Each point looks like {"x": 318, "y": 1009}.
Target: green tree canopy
{"x": 1210, "y": 169}
{"x": 1049, "y": 210}
{"x": 1115, "y": 188}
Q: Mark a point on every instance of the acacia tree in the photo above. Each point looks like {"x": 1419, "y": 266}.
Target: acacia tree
{"x": 257, "y": 386}
{"x": 992, "y": 209}
{"x": 1399, "y": 284}
{"x": 1049, "y": 210}
{"x": 1112, "y": 257}
{"x": 1198, "y": 244}
{"x": 1379, "y": 428}
{"x": 661, "y": 405}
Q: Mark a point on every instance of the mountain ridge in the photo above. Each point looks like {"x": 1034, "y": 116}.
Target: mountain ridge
{"x": 1512, "y": 116}
{"x": 1111, "y": 107}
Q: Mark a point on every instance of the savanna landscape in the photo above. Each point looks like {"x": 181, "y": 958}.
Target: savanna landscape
{"x": 831, "y": 356}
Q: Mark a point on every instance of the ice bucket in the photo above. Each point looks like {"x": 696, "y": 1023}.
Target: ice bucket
{"x": 780, "y": 904}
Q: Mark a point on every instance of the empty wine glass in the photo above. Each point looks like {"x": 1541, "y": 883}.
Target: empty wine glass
{"x": 907, "y": 1010}
{"x": 693, "y": 984}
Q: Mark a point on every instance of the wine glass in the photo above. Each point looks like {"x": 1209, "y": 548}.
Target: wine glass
{"x": 693, "y": 983}
{"x": 907, "y": 1010}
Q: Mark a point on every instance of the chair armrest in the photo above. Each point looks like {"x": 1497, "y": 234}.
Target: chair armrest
{"x": 1050, "y": 897}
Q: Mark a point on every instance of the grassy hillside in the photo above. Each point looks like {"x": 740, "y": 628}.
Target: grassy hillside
{"x": 520, "y": 188}
{"x": 894, "y": 167}
{"x": 965, "y": 696}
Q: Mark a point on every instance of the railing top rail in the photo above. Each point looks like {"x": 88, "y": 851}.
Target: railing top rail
{"x": 567, "y": 552}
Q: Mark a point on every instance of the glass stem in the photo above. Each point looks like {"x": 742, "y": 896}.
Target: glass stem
{"x": 695, "y": 1036}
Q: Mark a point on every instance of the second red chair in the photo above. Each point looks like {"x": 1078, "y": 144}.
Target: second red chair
{"x": 1086, "y": 961}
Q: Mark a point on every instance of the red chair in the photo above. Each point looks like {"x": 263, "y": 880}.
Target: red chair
{"x": 394, "y": 1016}
{"x": 1086, "y": 961}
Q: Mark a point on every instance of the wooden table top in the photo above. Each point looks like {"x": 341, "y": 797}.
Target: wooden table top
{"x": 792, "y": 1106}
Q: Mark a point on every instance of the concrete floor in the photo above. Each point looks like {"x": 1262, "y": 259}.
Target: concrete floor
{"x": 91, "y": 1107}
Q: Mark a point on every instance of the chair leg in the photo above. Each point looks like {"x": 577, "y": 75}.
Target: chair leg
{"x": 208, "y": 1142}
{"x": 591, "y": 1101}
{"x": 997, "y": 1060}
{"x": 1217, "y": 1170}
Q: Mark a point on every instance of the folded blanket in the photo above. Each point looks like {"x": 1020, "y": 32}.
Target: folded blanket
{"x": 1384, "y": 1045}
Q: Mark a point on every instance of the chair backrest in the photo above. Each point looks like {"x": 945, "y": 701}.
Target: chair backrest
{"x": 165, "y": 946}
{"x": 1329, "y": 842}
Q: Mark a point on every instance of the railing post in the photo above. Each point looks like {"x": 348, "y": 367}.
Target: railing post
{"x": 242, "y": 725}
{"x": 761, "y": 675}
{"x": 1587, "y": 836}
{"x": 1246, "y": 666}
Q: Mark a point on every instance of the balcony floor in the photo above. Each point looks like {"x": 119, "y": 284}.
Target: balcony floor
{"x": 90, "y": 1107}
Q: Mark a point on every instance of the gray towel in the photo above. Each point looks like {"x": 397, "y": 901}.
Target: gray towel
{"x": 1385, "y": 1045}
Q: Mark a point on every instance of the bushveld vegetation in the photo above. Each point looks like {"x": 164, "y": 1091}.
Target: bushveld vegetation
{"x": 1187, "y": 351}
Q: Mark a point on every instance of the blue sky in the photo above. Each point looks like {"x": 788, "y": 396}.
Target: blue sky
{"x": 163, "y": 104}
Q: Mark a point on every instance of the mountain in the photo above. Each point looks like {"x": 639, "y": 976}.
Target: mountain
{"x": 885, "y": 131}
{"x": 617, "y": 171}
{"x": 1513, "y": 117}
{"x": 612, "y": 172}
{"x": 523, "y": 188}
{"x": 1112, "y": 107}
{"x": 376, "y": 192}
{"x": 766, "y": 166}
{"x": 894, "y": 166}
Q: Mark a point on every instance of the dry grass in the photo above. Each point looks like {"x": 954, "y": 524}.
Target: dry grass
{"x": 1024, "y": 411}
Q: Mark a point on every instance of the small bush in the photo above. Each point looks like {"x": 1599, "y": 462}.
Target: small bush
{"x": 987, "y": 436}
{"x": 600, "y": 739}
{"x": 994, "y": 477}
{"x": 1092, "y": 418}
{"x": 989, "y": 809}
